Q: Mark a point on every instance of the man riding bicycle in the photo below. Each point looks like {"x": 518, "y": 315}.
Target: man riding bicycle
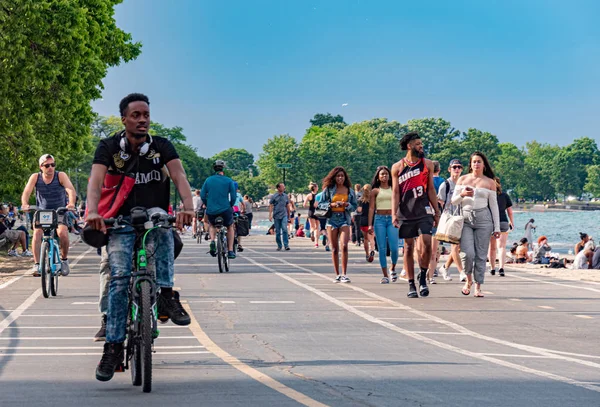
{"x": 51, "y": 189}
{"x": 218, "y": 193}
{"x": 198, "y": 206}
{"x": 151, "y": 190}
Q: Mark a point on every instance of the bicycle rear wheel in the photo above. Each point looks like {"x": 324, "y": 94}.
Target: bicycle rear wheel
{"x": 198, "y": 235}
{"x": 220, "y": 252}
{"x": 225, "y": 255}
{"x": 45, "y": 269}
{"x": 136, "y": 358}
{"x": 146, "y": 335}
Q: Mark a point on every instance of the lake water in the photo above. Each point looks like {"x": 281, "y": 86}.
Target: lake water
{"x": 561, "y": 228}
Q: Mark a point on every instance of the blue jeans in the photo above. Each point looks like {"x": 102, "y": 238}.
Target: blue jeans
{"x": 159, "y": 249}
{"x": 385, "y": 231}
{"x": 281, "y": 229}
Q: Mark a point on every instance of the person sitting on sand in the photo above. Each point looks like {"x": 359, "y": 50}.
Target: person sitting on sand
{"x": 540, "y": 255}
{"x": 522, "y": 251}
{"x": 584, "y": 239}
{"x": 583, "y": 260}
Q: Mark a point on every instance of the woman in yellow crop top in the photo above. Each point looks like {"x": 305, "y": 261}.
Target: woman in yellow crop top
{"x": 337, "y": 190}
{"x": 380, "y": 221}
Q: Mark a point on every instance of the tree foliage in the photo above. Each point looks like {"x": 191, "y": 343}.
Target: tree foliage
{"x": 321, "y": 120}
{"x": 53, "y": 57}
{"x": 237, "y": 160}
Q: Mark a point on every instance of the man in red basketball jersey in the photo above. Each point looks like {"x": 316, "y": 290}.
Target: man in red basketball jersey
{"x": 415, "y": 209}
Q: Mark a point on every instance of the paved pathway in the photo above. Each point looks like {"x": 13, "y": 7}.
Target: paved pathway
{"x": 276, "y": 331}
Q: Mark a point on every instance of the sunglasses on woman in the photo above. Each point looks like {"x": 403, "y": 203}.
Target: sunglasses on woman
{"x": 49, "y": 165}
{"x": 457, "y": 167}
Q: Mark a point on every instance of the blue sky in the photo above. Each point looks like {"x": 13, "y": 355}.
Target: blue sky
{"x": 234, "y": 73}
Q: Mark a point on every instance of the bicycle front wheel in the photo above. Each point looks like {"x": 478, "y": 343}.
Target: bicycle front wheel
{"x": 146, "y": 335}
{"x": 45, "y": 269}
{"x": 225, "y": 254}
{"x": 54, "y": 277}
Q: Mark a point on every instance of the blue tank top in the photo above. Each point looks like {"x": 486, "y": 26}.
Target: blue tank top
{"x": 50, "y": 196}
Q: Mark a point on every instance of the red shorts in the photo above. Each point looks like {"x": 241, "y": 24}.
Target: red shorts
{"x": 364, "y": 229}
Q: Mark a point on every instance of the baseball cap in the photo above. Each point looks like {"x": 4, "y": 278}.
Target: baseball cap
{"x": 455, "y": 162}
{"x": 44, "y": 158}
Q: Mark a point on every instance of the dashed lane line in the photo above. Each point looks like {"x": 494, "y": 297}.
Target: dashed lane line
{"x": 446, "y": 346}
{"x": 260, "y": 377}
{"x": 580, "y": 287}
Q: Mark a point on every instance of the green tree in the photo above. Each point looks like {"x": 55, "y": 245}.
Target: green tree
{"x": 103, "y": 126}
{"x": 321, "y": 119}
{"x": 54, "y": 57}
{"x": 538, "y": 171}
{"x": 173, "y": 134}
{"x": 509, "y": 166}
{"x": 238, "y": 160}
{"x": 279, "y": 150}
{"x": 434, "y": 133}
{"x": 592, "y": 185}
{"x": 253, "y": 186}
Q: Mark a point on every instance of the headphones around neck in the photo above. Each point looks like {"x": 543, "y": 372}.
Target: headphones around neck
{"x": 124, "y": 144}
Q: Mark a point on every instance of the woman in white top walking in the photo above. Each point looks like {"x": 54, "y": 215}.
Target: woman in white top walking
{"x": 476, "y": 192}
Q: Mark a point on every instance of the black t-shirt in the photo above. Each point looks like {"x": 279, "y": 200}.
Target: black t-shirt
{"x": 152, "y": 186}
{"x": 504, "y": 203}
{"x": 364, "y": 215}
{"x": 3, "y": 228}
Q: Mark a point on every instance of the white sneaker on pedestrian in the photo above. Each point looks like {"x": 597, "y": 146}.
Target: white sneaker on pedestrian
{"x": 64, "y": 268}
{"x": 27, "y": 253}
{"x": 445, "y": 273}
{"x": 338, "y": 279}
{"x": 12, "y": 253}
{"x": 385, "y": 280}
{"x": 344, "y": 279}
{"x": 403, "y": 273}
{"x": 432, "y": 281}
{"x": 463, "y": 277}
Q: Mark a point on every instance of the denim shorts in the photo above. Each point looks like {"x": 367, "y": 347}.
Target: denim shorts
{"x": 338, "y": 220}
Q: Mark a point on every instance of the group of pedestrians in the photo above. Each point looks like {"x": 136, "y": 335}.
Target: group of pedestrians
{"x": 405, "y": 202}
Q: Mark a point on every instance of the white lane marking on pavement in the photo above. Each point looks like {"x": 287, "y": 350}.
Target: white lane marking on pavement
{"x": 58, "y": 315}
{"x": 9, "y": 282}
{"x": 272, "y": 302}
{"x": 81, "y": 327}
{"x": 74, "y": 338}
{"x": 584, "y": 316}
{"x": 227, "y": 302}
{"x": 545, "y": 307}
{"x": 515, "y": 299}
{"x": 368, "y": 317}
{"x": 202, "y": 301}
{"x": 437, "y": 333}
{"x": 404, "y": 319}
{"x": 375, "y": 307}
{"x": 97, "y": 353}
{"x": 100, "y": 345}
{"x": 19, "y": 310}
{"x": 355, "y": 298}
{"x": 583, "y": 355}
{"x": 506, "y": 355}
{"x": 260, "y": 377}
{"x": 85, "y": 303}
{"x": 558, "y": 284}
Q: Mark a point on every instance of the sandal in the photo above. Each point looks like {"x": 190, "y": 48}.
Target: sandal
{"x": 478, "y": 293}
{"x": 466, "y": 290}
{"x": 371, "y": 257}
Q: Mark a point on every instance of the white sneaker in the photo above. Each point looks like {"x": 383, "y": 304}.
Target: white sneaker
{"x": 344, "y": 279}
{"x": 27, "y": 253}
{"x": 445, "y": 273}
{"x": 12, "y": 253}
{"x": 64, "y": 269}
{"x": 432, "y": 281}
{"x": 338, "y": 279}
{"x": 35, "y": 270}
{"x": 403, "y": 273}
{"x": 463, "y": 277}
{"x": 385, "y": 280}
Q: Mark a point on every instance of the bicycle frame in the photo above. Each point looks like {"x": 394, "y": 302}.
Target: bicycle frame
{"x": 50, "y": 237}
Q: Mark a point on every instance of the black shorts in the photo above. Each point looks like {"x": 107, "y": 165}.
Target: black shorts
{"x": 410, "y": 229}
{"x": 323, "y": 222}
{"x": 227, "y": 217}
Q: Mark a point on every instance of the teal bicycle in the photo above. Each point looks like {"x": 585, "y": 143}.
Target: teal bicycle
{"x": 50, "y": 264}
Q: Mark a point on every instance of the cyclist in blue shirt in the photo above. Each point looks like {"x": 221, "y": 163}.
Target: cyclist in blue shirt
{"x": 218, "y": 193}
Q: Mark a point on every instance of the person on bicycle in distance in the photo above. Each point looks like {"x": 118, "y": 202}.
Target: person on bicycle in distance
{"x": 197, "y": 207}
{"x": 50, "y": 187}
{"x": 151, "y": 190}
{"x": 239, "y": 208}
{"x": 219, "y": 195}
